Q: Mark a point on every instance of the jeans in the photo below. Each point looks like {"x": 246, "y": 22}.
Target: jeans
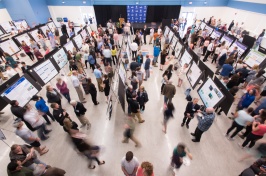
{"x": 155, "y": 60}
{"x": 198, "y": 134}
{"x": 147, "y": 75}
{"x": 67, "y": 96}
{"x": 41, "y": 131}
{"x": 166, "y": 100}
{"x": 238, "y": 129}
{"x": 36, "y": 161}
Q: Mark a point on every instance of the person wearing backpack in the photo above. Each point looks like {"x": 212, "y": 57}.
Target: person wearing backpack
{"x": 80, "y": 111}
{"x": 92, "y": 60}
{"x": 142, "y": 98}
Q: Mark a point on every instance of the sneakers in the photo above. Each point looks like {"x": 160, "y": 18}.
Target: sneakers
{"x": 187, "y": 126}
{"x": 141, "y": 121}
{"x": 182, "y": 124}
{"x": 231, "y": 139}
{"x": 226, "y": 135}
{"x": 240, "y": 145}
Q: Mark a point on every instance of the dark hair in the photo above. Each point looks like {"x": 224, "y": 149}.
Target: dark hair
{"x": 165, "y": 72}
{"x": 105, "y": 76}
{"x": 23, "y": 63}
{"x": 35, "y": 97}
{"x": 235, "y": 78}
{"x": 89, "y": 81}
{"x": 129, "y": 156}
{"x": 170, "y": 67}
{"x": 12, "y": 166}
{"x": 13, "y": 102}
{"x": 134, "y": 95}
{"x": 53, "y": 105}
{"x": 233, "y": 90}
{"x": 250, "y": 110}
{"x": 113, "y": 47}
{"x": 133, "y": 74}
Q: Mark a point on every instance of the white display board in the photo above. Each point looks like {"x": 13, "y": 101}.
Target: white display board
{"x": 178, "y": 49}
{"x": 34, "y": 34}
{"x": 44, "y": 28}
{"x": 227, "y": 39}
{"x": 254, "y": 58}
{"x": 83, "y": 33}
{"x": 60, "y": 58}
{"x": 240, "y": 47}
{"x": 208, "y": 30}
{"x": 202, "y": 25}
{"x": 7, "y": 26}
{"x": 122, "y": 73}
{"x": 69, "y": 46}
{"x": 170, "y": 35}
{"x": 9, "y": 47}
{"x": 78, "y": 40}
{"x": 1, "y": 32}
{"x": 216, "y": 34}
{"x": 89, "y": 29}
{"x": 51, "y": 25}
{"x": 24, "y": 37}
{"x": 173, "y": 42}
{"x": 166, "y": 31}
{"x": 185, "y": 59}
{"x": 46, "y": 71}
{"x": 21, "y": 24}
{"x": 22, "y": 91}
{"x": 77, "y": 29}
{"x": 193, "y": 74}
{"x": 210, "y": 93}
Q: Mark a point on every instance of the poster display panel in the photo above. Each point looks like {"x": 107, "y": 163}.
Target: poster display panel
{"x": 83, "y": 33}
{"x": 7, "y": 26}
{"x": 166, "y": 31}
{"x": 202, "y": 25}
{"x": 69, "y": 46}
{"x": 194, "y": 74}
{"x": 46, "y": 71}
{"x": 22, "y": 91}
{"x": 210, "y": 94}
{"x": 51, "y": 25}
{"x": 216, "y": 34}
{"x": 34, "y": 34}
{"x": 170, "y": 35}
{"x": 173, "y": 42}
{"x": 208, "y": 30}
{"x": 24, "y": 37}
{"x": 60, "y": 58}
{"x": 240, "y": 47}
{"x": 76, "y": 29}
{"x": 9, "y": 47}
{"x": 21, "y": 24}
{"x": 254, "y": 58}
{"x": 1, "y": 32}
{"x": 228, "y": 40}
{"x": 78, "y": 40}
{"x": 178, "y": 49}
{"x": 89, "y": 29}
{"x": 185, "y": 59}
{"x": 44, "y": 28}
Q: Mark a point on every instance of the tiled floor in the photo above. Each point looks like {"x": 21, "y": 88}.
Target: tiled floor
{"x": 214, "y": 155}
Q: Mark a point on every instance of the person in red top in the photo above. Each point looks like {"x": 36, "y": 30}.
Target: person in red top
{"x": 38, "y": 54}
{"x": 62, "y": 87}
{"x": 258, "y": 130}
{"x": 146, "y": 169}
{"x": 26, "y": 48}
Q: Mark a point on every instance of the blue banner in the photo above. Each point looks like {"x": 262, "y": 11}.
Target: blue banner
{"x": 136, "y": 13}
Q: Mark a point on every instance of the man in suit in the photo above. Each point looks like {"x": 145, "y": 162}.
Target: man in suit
{"x": 145, "y": 32}
{"x": 191, "y": 108}
{"x": 80, "y": 111}
{"x": 24, "y": 67}
{"x": 169, "y": 91}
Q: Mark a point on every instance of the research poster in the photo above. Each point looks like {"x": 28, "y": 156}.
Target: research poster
{"x": 210, "y": 93}
{"x": 34, "y": 34}
{"x": 178, "y": 49}
{"x": 9, "y": 47}
{"x": 77, "y": 29}
{"x": 254, "y": 58}
{"x": 173, "y": 42}
{"x": 21, "y": 24}
{"x": 166, "y": 31}
{"x": 1, "y": 32}
{"x": 44, "y": 29}
{"x": 14, "y": 92}
{"x": 7, "y": 26}
{"x": 24, "y": 37}
{"x": 78, "y": 40}
{"x": 170, "y": 35}
{"x": 208, "y": 30}
{"x": 193, "y": 74}
{"x": 202, "y": 25}
{"x": 227, "y": 39}
{"x": 60, "y": 58}
{"x": 46, "y": 71}
{"x": 122, "y": 73}
{"x": 51, "y": 25}
{"x": 69, "y": 46}
{"x": 240, "y": 47}
{"x": 216, "y": 34}
{"x": 83, "y": 33}
{"x": 185, "y": 59}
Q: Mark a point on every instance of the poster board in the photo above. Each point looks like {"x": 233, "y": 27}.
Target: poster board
{"x": 21, "y": 24}
{"x": 210, "y": 94}
{"x": 7, "y": 26}
{"x": 83, "y": 33}
{"x": 178, "y": 49}
{"x": 170, "y": 35}
{"x": 216, "y": 34}
{"x": 202, "y": 25}
{"x": 44, "y": 28}
{"x": 207, "y": 71}
{"x": 89, "y": 29}
{"x": 208, "y": 29}
{"x": 9, "y": 46}
{"x": 173, "y": 42}
{"x": 194, "y": 74}
{"x": 21, "y": 90}
{"x": 166, "y": 31}
{"x": 78, "y": 41}
{"x": 185, "y": 59}
{"x": 60, "y": 58}
{"x": 69, "y": 46}
{"x": 254, "y": 57}
{"x": 51, "y": 26}
{"x": 44, "y": 72}
{"x": 1, "y": 31}
{"x": 23, "y": 37}
{"x": 34, "y": 34}
{"x": 241, "y": 47}
{"x": 122, "y": 73}
{"x": 228, "y": 40}
{"x": 77, "y": 29}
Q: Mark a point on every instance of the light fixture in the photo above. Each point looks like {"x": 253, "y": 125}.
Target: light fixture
{"x": 137, "y": 3}
{"x": 84, "y": 2}
{"x": 63, "y": 2}
{"x": 190, "y": 2}
{"x": 205, "y": 2}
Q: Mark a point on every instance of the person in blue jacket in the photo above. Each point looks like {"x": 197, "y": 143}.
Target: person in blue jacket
{"x": 156, "y": 52}
{"x": 43, "y": 108}
{"x": 227, "y": 69}
{"x": 246, "y": 99}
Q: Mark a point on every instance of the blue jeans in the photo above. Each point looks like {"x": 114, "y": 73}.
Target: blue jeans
{"x": 155, "y": 59}
{"x": 166, "y": 100}
{"x": 41, "y": 131}
{"x": 36, "y": 161}
{"x": 67, "y": 96}
{"x": 125, "y": 65}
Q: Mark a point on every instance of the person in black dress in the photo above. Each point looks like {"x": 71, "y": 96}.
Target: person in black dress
{"x": 163, "y": 58}
{"x": 106, "y": 86}
{"x": 93, "y": 91}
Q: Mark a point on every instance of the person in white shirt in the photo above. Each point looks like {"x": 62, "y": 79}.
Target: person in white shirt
{"x": 129, "y": 164}
{"x": 36, "y": 121}
{"x": 209, "y": 51}
{"x": 85, "y": 47}
{"x": 76, "y": 84}
{"x": 10, "y": 71}
{"x": 216, "y": 53}
{"x": 134, "y": 48}
{"x": 107, "y": 54}
{"x": 159, "y": 31}
{"x": 151, "y": 35}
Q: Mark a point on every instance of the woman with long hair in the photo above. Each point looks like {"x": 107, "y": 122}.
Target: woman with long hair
{"x": 26, "y": 48}
{"x": 69, "y": 125}
{"x": 106, "y": 85}
{"x": 164, "y": 54}
{"x": 165, "y": 79}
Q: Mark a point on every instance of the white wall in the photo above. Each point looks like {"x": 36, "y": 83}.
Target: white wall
{"x": 4, "y": 16}
{"x": 253, "y": 22}
{"x": 73, "y": 13}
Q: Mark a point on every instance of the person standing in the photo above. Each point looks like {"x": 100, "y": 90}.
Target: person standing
{"x": 76, "y": 84}
{"x": 221, "y": 62}
{"x": 52, "y": 95}
{"x": 28, "y": 137}
{"x": 231, "y": 25}
{"x": 98, "y": 74}
{"x": 38, "y": 54}
{"x": 26, "y": 49}
{"x": 140, "y": 75}
{"x": 168, "y": 113}
{"x": 64, "y": 30}
{"x": 147, "y": 67}
{"x": 59, "y": 113}
{"x": 145, "y": 31}
{"x": 156, "y": 53}
{"x": 42, "y": 108}
{"x": 164, "y": 54}
{"x": 129, "y": 164}
{"x": 62, "y": 87}
{"x": 82, "y": 76}
{"x": 151, "y": 35}
{"x": 192, "y": 107}
{"x": 246, "y": 100}
{"x": 129, "y": 92}
{"x": 92, "y": 60}
{"x": 80, "y": 111}
{"x": 242, "y": 118}
{"x": 181, "y": 75}
{"x": 114, "y": 53}
{"x": 205, "y": 122}
{"x": 227, "y": 69}
{"x": 107, "y": 54}
{"x": 135, "y": 109}
{"x": 134, "y": 49}
{"x": 93, "y": 91}
{"x": 169, "y": 91}
{"x": 209, "y": 51}
{"x": 166, "y": 41}
{"x": 142, "y": 98}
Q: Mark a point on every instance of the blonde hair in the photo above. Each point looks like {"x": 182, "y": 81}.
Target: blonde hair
{"x": 67, "y": 123}
{"x": 255, "y": 67}
{"x": 47, "y": 87}
{"x": 142, "y": 87}
{"x": 148, "y": 168}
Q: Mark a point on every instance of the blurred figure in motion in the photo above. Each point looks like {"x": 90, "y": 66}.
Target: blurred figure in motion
{"x": 129, "y": 131}
{"x": 257, "y": 168}
{"x": 168, "y": 113}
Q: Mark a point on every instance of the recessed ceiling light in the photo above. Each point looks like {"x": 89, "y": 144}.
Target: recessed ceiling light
{"x": 63, "y": 2}
{"x": 190, "y": 3}
{"x": 84, "y": 2}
